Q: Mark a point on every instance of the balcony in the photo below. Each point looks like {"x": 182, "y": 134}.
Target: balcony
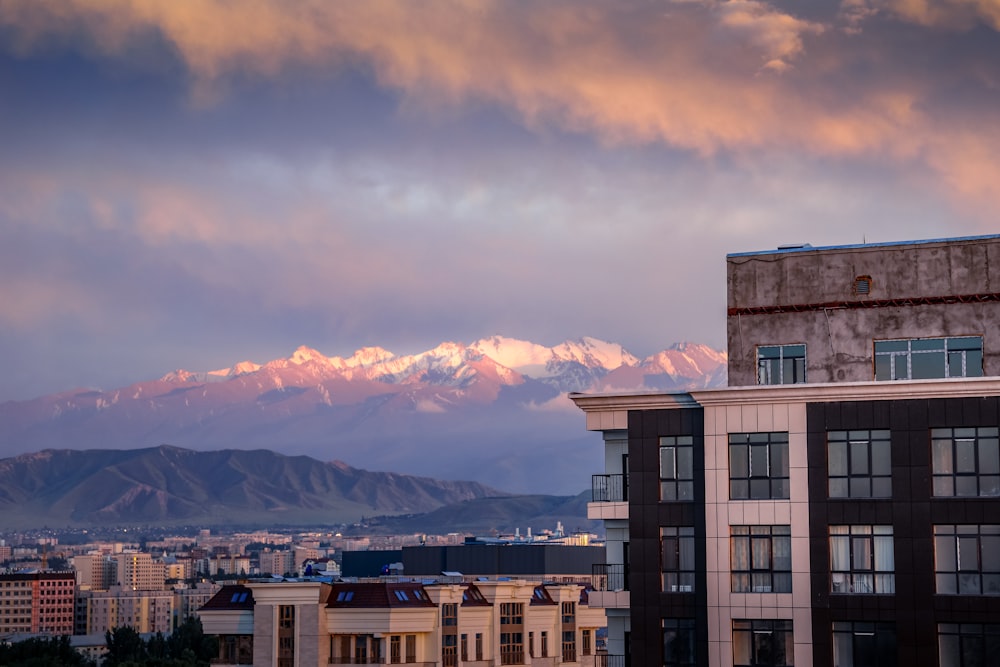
{"x": 606, "y": 660}
{"x": 610, "y": 582}
{"x": 610, "y": 497}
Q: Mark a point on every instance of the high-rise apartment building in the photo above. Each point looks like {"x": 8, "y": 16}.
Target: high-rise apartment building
{"x": 37, "y": 602}
{"x": 139, "y": 572}
{"x": 838, "y": 503}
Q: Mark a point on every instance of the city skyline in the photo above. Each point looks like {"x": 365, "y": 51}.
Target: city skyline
{"x": 192, "y": 185}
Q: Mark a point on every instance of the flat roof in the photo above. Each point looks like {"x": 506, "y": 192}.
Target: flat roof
{"x": 805, "y": 247}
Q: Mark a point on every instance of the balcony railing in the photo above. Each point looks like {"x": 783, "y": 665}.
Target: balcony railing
{"x": 609, "y": 577}
{"x": 609, "y": 488}
{"x": 606, "y": 660}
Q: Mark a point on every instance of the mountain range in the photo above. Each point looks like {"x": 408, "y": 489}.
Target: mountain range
{"x": 494, "y": 410}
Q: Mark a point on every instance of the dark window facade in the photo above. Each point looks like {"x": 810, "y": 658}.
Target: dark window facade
{"x": 679, "y": 642}
{"x": 966, "y": 462}
{"x": 967, "y": 559}
{"x": 927, "y": 358}
{"x": 864, "y": 644}
{"x": 781, "y": 364}
{"x": 677, "y": 562}
{"x": 758, "y": 466}
{"x": 761, "y": 559}
{"x": 763, "y": 643}
{"x": 860, "y": 464}
{"x": 862, "y": 560}
{"x": 677, "y": 468}
{"x": 968, "y": 644}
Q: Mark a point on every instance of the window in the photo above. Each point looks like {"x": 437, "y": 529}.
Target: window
{"x": 568, "y": 612}
{"x": 967, "y": 559}
{"x": 677, "y": 558}
{"x": 761, "y": 559}
{"x": 402, "y": 596}
{"x": 758, "y": 466}
{"x": 465, "y": 648}
{"x": 678, "y": 642}
{"x": 545, "y": 644}
{"x": 781, "y": 364}
{"x": 479, "y": 646}
{"x": 862, "y": 559}
{"x": 511, "y": 648}
{"x": 395, "y": 650}
{"x": 449, "y": 650}
{"x": 568, "y": 646}
{"x": 449, "y": 614}
{"x": 531, "y": 644}
{"x": 511, "y": 613}
{"x": 967, "y": 644}
{"x": 286, "y": 616}
{"x": 929, "y": 358}
{"x": 860, "y": 464}
{"x": 411, "y": 648}
{"x": 677, "y": 467}
{"x": 763, "y": 643}
{"x": 586, "y": 642}
{"x": 965, "y": 461}
{"x": 857, "y": 644}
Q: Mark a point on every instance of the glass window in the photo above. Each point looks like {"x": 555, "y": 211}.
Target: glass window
{"x": 677, "y": 558}
{"x": 781, "y": 364}
{"x": 862, "y": 560}
{"x": 761, "y": 559}
{"x": 677, "y": 468}
{"x": 965, "y": 461}
{"x": 967, "y": 559}
{"x": 678, "y": 642}
{"x": 925, "y": 358}
{"x": 961, "y": 644}
{"x": 763, "y": 643}
{"x": 758, "y": 466}
{"x": 863, "y": 644}
{"x": 449, "y": 613}
{"x": 859, "y": 464}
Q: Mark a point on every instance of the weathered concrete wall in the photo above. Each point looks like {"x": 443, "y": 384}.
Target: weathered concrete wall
{"x": 263, "y": 635}
{"x": 839, "y": 338}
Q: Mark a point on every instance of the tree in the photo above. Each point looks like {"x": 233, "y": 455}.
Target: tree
{"x": 125, "y": 647}
{"x": 42, "y": 652}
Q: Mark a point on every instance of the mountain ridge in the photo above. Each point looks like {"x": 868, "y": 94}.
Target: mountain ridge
{"x": 453, "y": 411}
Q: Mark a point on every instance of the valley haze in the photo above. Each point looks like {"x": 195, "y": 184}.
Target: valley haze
{"x": 494, "y": 411}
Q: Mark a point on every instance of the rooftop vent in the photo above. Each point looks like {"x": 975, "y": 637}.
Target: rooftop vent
{"x": 862, "y": 285}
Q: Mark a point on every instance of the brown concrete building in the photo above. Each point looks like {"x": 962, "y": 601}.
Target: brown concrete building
{"x": 807, "y": 516}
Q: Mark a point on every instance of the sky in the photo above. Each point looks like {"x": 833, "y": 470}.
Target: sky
{"x": 191, "y": 184}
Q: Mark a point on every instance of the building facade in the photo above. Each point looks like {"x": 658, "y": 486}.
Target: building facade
{"x": 446, "y": 624}
{"x": 838, "y": 503}
{"x": 37, "y": 602}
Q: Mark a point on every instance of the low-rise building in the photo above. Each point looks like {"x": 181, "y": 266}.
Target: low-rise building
{"x": 37, "y": 602}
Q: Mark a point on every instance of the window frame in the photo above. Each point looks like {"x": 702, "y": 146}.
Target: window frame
{"x": 748, "y": 574}
{"x": 964, "y": 636}
{"x": 885, "y": 361}
{"x": 754, "y": 632}
{"x": 852, "y": 462}
{"x": 955, "y": 574}
{"x": 883, "y": 635}
{"x": 678, "y": 563}
{"x": 680, "y": 643}
{"x": 786, "y": 364}
{"x": 676, "y": 468}
{"x": 946, "y": 458}
{"x": 756, "y": 453}
{"x": 863, "y": 544}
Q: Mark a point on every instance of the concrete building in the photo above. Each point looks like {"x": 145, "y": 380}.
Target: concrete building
{"x": 139, "y": 572}
{"x": 838, "y": 503}
{"x": 37, "y": 603}
{"x": 447, "y": 623}
{"x": 95, "y": 571}
{"x": 142, "y": 610}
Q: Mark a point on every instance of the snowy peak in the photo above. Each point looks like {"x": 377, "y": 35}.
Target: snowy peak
{"x": 592, "y": 353}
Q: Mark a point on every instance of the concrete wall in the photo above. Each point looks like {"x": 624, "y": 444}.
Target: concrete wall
{"x": 814, "y": 291}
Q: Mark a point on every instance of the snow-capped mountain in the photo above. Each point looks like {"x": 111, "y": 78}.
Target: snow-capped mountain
{"x": 493, "y": 410}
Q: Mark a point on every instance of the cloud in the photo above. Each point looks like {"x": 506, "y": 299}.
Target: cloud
{"x": 702, "y": 75}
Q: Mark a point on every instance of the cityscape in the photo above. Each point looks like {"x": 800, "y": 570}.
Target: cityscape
{"x": 474, "y": 333}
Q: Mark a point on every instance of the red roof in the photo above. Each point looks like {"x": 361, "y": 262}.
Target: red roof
{"x": 233, "y": 596}
{"x": 378, "y": 594}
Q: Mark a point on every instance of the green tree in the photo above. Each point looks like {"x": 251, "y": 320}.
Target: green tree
{"x": 125, "y": 648}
